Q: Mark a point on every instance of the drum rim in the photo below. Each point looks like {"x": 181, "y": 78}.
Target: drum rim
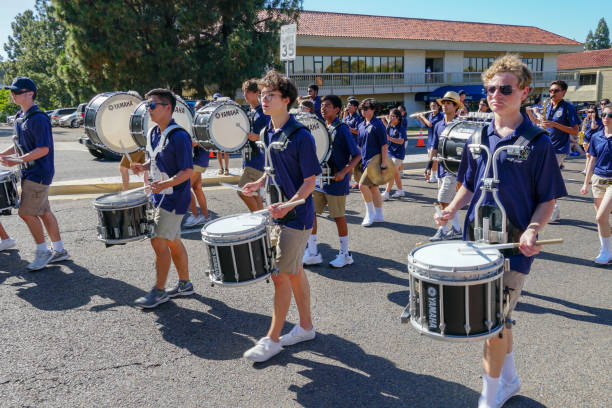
{"x": 212, "y": 140}
{"x": 330, "y": 142}
{"x": 246, "y": 234}
{"x": 104, "y": 206}
{"x": 456, "y": 338}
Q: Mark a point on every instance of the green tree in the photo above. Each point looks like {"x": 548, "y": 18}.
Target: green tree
{"x": 588, "y": 43}
{"x": 601, "y": 37}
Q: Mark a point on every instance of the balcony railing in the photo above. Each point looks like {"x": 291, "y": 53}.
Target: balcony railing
{"x": 410, "y": 82}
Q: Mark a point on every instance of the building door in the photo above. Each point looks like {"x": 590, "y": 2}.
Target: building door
{"x": 435, "y": 65}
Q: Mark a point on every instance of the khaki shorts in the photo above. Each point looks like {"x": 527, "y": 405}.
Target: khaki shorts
{"x": 396, "y": 162}
{"x": 357, "y": 172}
{"x": 199, "y": 169}
{"x": 365, "y": 180}
{"x": 599, "y": 188}
{"x": 335, "y": 204}
{"x": 560, "y": 158}
{"x": 290, "y": 245}
{"x": 167, "y": 224}
{"x": 137, "y": 157}
{"x": 249, "y": 175}
{"x": 514, "y": 280}
{"x": 34, "y": 198}
{"x": 447, "y": 188}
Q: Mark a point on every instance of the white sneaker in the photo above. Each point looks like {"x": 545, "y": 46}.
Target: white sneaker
{"x": 556, "y": 216}
{"x": 201, "y": 219}
{"x": 191, "y": 221}
{"x": 41, "y": 260}
{"x": 433, "y": 179}
{"x": 398, "y": 194}
{"x": 378, "y": 218}
{"x": 263, "y": 350}
{"x": 507, "y": 391}
{"x": 310, "y": 259}
{"x": 297, "y": 335}
{"x": 604, "y": 257}
{"x": 367, "y": 220}
{"x": 342, "y": 259}
{"x": 384, "y": 196}
{"x": 7, "y": 244}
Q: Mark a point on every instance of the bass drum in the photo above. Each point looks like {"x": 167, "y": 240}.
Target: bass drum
{"x": 319, "y": 132}
{"x": 453, "y": 139}
{"x": 222, "y": 125}
{"x": 107, "y": 121}
{"x": 141, "y": 123}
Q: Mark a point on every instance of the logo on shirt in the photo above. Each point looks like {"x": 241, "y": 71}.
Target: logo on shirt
{"x": 226, "y": 113}
{"x": 558, "y": 114}
{"x": 120, "y": 105}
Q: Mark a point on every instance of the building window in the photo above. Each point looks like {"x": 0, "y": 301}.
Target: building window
{"x": 477, "y": 64}
{"x": 588, "y": 79}
{"x": 308, "y": 64}
{"x": 534, "y": 64}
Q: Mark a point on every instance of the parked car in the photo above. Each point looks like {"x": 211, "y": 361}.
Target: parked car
{"x": 58, "y": 113}
{"x": 71, "y": 120}
{"x": 10, "y": 120}
{"x": 81, "y": 113}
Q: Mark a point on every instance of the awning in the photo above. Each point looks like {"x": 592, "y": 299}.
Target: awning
{"x": 472, "y": 93}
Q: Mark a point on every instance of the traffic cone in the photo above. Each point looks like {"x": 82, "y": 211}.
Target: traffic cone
{"x": 420, "y": 142}
{"x": 211, "y": 155}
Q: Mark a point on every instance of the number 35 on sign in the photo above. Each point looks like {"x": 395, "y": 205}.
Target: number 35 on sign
{"x": 287, "y": 42}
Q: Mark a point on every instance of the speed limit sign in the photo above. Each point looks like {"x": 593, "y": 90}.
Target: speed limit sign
{"x": 287, "y": 42}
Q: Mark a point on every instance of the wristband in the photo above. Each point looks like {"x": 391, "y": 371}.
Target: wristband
{"x": 429, "y": 165}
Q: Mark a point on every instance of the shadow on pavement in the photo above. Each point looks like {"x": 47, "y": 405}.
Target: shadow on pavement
{"x": 587, "y": 314}
{"x": 566, "y": 259}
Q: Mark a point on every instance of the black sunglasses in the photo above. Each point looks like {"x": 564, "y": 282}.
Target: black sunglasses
{"x": 366, "y": 107}
{"x": 554, "y": 90}
{"x": 20, "y": 91}
{"x": 153, "y": 105}
{"x": 504, "y": 89}
{"x": 608, "y": 115}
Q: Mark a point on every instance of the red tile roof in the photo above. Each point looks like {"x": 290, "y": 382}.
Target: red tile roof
{"x": 317, "y": 23}
{"x": 587, "y": 59}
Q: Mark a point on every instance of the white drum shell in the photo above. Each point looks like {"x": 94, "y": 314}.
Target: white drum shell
{"x": 319, "y": 132}
{"x": 222, "y": 125}
{"x": 141, "y": 123}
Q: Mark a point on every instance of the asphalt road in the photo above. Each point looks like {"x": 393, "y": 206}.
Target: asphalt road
{"x": 70, "y": 335}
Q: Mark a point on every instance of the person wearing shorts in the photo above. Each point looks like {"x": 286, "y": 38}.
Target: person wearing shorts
{"x": 527, "y": 190}
{"x": 396, "y": 138}
{"x": 447, "y": 182}
{"x": 344, "y": 156}
{"x": 171, "y": 167}
{"x": 352, "y": 119}
{"x": 34, "y": 148}
{"x": 124, "y": 167}
{"x": 372, "y": 141}
{"x": 430, "y": 121}
{"x": 254, "y": 159}
{"x": 599, "y": 172}
{"x": 200, "y": 163}
{"x": 6, "y": 242}
{"x": 296, "y": 168}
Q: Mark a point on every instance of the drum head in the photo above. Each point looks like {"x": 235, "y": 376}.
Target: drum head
{"x": 141, "y": 123}
{"x": 446, "y": 255}
{"x": 452, "y": 142}
{"x": 234, "y": 225}
{"x": 6, "y": 174}
{"x": 124, "y": 199}
{"x": 319, "y": 133}
{"x": 112, "y": 121}
{"x": 227, "y": 124}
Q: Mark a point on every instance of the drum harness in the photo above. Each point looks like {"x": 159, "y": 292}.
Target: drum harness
{"x": 250, "y": 150}
{"x": 155, "y": 174}
{"x": 18, "y": 147}
{"x": 487, "y": 225}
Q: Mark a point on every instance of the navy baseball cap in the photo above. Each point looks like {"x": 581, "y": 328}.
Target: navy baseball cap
{"x": 22, "y": 83}
{"x": 462, "y": 92}
{"x": 217, "y": 95}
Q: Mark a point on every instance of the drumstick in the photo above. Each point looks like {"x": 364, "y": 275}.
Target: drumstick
{"x": 289, "y": 204}
{"x": 509, "y": 245}
{"x": 241, "y": 128}
{"x": 14, "y": 159}
{"x": 233, "y": 187}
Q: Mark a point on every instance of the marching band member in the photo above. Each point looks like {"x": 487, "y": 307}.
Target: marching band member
{"x": 396, "y": 138}
{"x": 352, "y": 119}
{"x": 33, "y": 145}
{"x": 527, "y": 192}
{"x": 171, "y": 166}
{"x": 430, "y": 121}
{"x": 590, "y": 126}
{"x": 599, "y": 172}
{"x": 483, "y": 106}
{"x": 344, "y": 156}
{"x": 296, "y": 168}
{"x": 447, "y": 182}
{"x": 313, "y": 91}
{"x": 464, "y": 110}
{"x": 253, "y": 165}
{"x": 6, "y": 242}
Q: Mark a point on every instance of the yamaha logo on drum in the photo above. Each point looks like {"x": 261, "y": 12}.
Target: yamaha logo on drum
{"x": 432, "y": 306}
{"x": 226, "y": 113}
{"x": 313, "y": 126}
{"x": 120, "y": 105}
{"x": 179, "y": 109}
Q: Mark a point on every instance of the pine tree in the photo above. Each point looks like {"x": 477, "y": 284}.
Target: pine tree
{"x": 601, "y": 38}
{"x": 588, "y": 44}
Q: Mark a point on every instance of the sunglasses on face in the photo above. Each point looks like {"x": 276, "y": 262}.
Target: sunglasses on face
{"x": 153, "y": 105}
{"x": 20, "y": 91}
{"x": 590, "y": 111}
{"x": 606, "y": 115}
{"x": 504, "y": 89}
{"x": 554, "y": 91}
{"x": 365, "y": 108}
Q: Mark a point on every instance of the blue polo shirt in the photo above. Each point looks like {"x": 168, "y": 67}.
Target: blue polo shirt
{"x": 175, "y": 156}
{"x": 292, "y": 165}
{"x": 435, "y": 141}
{"x": 522, "y": 185}
{"x": 343, "y": 149}
{"x": 588, "y": 132}
{"x": 397, "y": 150}
{"x": 433, "y": 119}
{"x": 564, "y": 114}
{"x": 260, "y": 121}
{"x": 353, "y": 122}
{"x": 404, "y": 121}
{"x": 601, "y": 149}
{"x": 200, "y": 156}
{"x": 33, "y": 133}
{"x": 317, "y": 107}
{"x": 372, "y": 137}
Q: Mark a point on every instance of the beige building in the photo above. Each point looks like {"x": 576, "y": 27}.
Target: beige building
{"x": 412, "y": 61}
{"x": 594, "y": 70}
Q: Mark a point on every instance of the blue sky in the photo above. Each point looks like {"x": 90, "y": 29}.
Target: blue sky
{"x": 572, "y": 19}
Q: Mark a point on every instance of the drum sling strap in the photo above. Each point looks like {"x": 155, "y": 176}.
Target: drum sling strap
{"x": 523, "y": 149}
{"x": 332, "y": 133}
{"x": 156, "y": 174}
{"x": 285, "y": 136}
{"x": 18, "y": 147}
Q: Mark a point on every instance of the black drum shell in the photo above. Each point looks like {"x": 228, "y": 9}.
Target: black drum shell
{"x": 242, "y": 255}
{"x": 453, "y": 140}
{"x": 9, "y": 195}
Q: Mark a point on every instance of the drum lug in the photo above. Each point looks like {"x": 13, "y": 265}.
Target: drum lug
{"x": 489, "y": 324}
{"x": 405, "y": 316}
{"x": 442, "y": 328}
{"x": 467, "y": 329}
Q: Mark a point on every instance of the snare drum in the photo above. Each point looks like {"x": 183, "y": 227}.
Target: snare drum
{"x": 319, "y": 132}
{"x": 239, "y": 249}
{"x": 221, "y": 125}
{"x": 124, "y": 217}
{"x": 455, "y": 296}
{"x": 107, "y": 121}
{"x": 141, "y": 123}
{"x": 453, "y": 139}
{"x": 9, "y": 197}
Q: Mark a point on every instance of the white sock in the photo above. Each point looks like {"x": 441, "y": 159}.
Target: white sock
{"x": 312, "y": 244}
{"x": 369, "y": 208}
{"x": 41, "y": 247}
{"x": 508, "y": 373}
{"x": 344, "y": 244}
{"x": 489, "y": 389}
{"x": 58, "y": 246}
{"x": 378, "y": 211}
{"x": 456, "y": 222}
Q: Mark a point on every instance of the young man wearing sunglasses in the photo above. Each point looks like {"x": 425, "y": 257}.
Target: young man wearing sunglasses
{"x": 33, "y": 146}
{"x": 527, "y": 190}
{"x": 170, "y": 165}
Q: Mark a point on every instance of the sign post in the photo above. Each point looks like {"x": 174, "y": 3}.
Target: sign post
{"x": 288, "y": 35}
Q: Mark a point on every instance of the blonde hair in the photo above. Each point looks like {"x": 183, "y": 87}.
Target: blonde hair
{"x": 509, "y": 63}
